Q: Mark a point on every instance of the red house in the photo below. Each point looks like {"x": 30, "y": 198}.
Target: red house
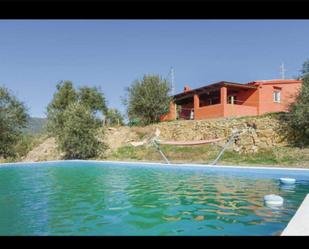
{"x": 229, "y": 99}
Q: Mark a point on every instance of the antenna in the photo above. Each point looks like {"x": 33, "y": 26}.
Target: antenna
{"x": 283, "y": 70}
{"x": 172, "y": 81}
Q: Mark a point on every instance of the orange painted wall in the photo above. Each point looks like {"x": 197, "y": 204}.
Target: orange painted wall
{"x": 249, "y": 97}
{"x": 210, "y": 111}
{"x": 171, "y": 115}
{"x": 239, "y": 110}
{"x": 288, "y": 95}
{"x": 251, "y": 102}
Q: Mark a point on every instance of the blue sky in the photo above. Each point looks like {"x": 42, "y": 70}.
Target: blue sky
{"x": 35, "y": 55}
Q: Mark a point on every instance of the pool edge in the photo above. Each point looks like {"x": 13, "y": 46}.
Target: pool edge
{"x": 163, "y": 164}
{"x": 299, "y": 224}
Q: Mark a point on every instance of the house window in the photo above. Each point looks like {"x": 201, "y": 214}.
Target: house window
{"x": 277, "y": 96}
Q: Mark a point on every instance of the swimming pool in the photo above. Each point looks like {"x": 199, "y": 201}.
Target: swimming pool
{"x": 109, "y": 198}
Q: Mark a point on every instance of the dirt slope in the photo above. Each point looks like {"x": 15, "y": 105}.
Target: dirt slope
{"x": 46, "y": 151}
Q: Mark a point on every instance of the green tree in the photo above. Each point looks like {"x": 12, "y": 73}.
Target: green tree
{"x": 113, "y": 117}
{"x": 78, "y": 138}
{"x": 64, "y": 96}
{"x": 305, "y": 68}
{"x": 298, "y": 118}
{"x": 72, "y": 119}
{"x": 13, "y": 118}
{"x": 148, "y": 99}
{"x": 90, "y": 97}
{"x": 93, "y": 98}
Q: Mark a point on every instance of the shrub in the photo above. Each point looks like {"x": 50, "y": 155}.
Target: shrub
{"x": 78, "y": 138}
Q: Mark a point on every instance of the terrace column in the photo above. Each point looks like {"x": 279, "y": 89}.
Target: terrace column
{"x": 196, "y": 104}
{"x": 223, "y": 95}
{"x": 172, "y": 112}
{"x": 223, "y": 98}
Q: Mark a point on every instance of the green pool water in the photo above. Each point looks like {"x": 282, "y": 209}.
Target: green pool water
{"x": 91, "y": 199}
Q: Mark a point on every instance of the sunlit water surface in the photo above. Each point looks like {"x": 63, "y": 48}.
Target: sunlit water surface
{"x": 91, "y": 199}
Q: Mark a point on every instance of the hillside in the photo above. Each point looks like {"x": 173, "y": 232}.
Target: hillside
{"x": 35, "y": 125}
{"x": 262, "y": 142}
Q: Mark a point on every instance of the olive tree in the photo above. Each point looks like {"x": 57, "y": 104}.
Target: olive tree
{"x": 65, "y": 95}
{"x": 148, "y": 99}
{"x": 298, "y": 117}
{"x": 73, "y": 120}
{"x": 114, "y": 117}
{"x": 78, "y": 138}
{"x": 13, "y": 118}
{"x": 305, "y": 68}
{"x": 93, "y": 98}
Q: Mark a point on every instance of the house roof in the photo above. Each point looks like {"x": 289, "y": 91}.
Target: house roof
{"x": 216, "y": 86}
{"x": 213, "y": 87}
{"x": 274, "y": 81}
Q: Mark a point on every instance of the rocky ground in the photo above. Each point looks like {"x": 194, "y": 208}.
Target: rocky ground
{"x": 46, "y": 151}
{"x": 256, "y": 133}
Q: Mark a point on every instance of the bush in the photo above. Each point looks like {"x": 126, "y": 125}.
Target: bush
{"x": 78, "y": 138}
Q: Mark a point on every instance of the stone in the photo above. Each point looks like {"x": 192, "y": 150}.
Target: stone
{"x": 135, "y": 144}
{"x": 157, "y": 133}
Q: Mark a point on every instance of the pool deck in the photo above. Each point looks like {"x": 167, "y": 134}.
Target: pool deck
{"x": 299, "y": 224}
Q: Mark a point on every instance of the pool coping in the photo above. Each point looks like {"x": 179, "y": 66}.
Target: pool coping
{"x": 163, "y": 164}
{"x": 299, "y": 224}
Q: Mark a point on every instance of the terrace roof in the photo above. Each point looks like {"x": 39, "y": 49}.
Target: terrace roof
{"x": 211, "y": 88}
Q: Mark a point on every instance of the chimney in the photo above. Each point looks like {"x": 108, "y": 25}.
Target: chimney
{"x": 186, "y": 89}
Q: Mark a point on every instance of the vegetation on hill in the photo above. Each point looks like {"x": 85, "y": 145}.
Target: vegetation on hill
{"x": 78, "y": 138}
{"x": 122, "y": 142}
{"x": 113, "y": 118}
{"x": 147, "y": 100}
{"x": 73, "y": 119}
{"x": 305, "y": 69}
{"x": 35, "y": 126}
{"x": 74, "y": 125}
{"x": 13, "y": 118}
{"x": 298, "y": 117}
{"x": 27, "y": 143}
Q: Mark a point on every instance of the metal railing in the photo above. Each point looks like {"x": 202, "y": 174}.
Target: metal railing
{"x": 156, "y": 145}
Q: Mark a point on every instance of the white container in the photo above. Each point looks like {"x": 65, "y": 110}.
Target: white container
{"x": 287, "y": 180}
{"x": 273, "y": 200}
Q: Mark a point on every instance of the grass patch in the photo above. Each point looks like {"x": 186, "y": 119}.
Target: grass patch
{"x": 281, "y": 156}
{"x": 141, "y": 135}
{"x": 266, "y": 157}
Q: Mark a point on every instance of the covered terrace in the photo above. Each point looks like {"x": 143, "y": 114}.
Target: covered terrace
{"x": 222, "y": 99}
